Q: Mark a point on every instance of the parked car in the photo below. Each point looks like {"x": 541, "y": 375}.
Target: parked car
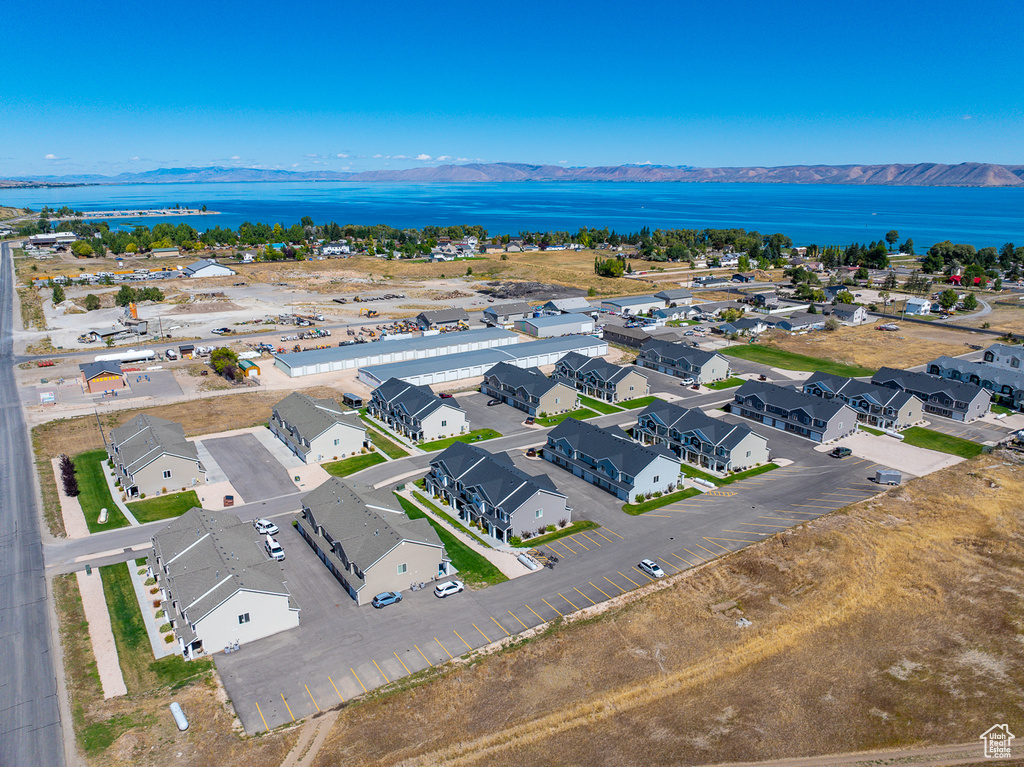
{"x": 221, "y": 331}
{"x": 448, "y": 588}
{"x": 687, "y": 382}
{"x": 688, "y": 333}
{"x": 265, "y": 526}
{"x": 446, "y": 395}
{"x": 652, "y": 568}
{"x": 531, "y": 421}
{"x": 274, "y": 550}
{"x": 492, "y": 402}
{"x": 841, "y": 452}
{"x": 386, "y": 598}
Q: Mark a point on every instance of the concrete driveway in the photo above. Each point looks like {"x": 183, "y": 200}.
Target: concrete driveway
{"x": 504, "y": 419}
{"x": 915, "y": 461}
{"x": 250, "y": 467}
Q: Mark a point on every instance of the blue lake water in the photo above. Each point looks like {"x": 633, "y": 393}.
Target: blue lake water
{"x": 808, "y": 213}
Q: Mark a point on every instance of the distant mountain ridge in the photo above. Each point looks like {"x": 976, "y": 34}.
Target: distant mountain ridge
{"x": 920, "y": 174}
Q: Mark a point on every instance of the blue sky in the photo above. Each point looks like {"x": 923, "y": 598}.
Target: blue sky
{"x": 116, "y": 86}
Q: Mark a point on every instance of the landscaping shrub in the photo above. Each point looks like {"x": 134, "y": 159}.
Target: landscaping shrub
{"x": 67, "y": 476}
{"x": 563, "y": 522}
{"x": 514, "y": 540}
{"x": 169, "y": 638}
{"x": 150, "y": 581}
{"x": 165, "y": 628}
{"x": 154, "y": 590}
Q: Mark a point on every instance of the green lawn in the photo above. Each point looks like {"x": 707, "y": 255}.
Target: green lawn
{"x": 680, "y": 323}
{"x": 632, "y": 404}
{"x": 141, "y": 672}
{"x": 553, "y": 420}
{"x": 1002, "y": 410}
{"x": 692, "y": 471}
{"x": 473, "y": 568}
{"x": 576, "y": 527}
{"x": 385, "y": 445}
{"x": 477, "y": 435}
{"x": 869, "y": 430}
{"x": 351, "y": 465}
{"x": 728, "y": 383}
{"x": 449, "y": 518}
{"x": 780, "y": 358}
{"x": 634, "y": 509}
{"x": 164, "y": 506}
{"x": 599, "y": 406}
{"x": 94, "y": 492}
{"x": 943, "y": 443}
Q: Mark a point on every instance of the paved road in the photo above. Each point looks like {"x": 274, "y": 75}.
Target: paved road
{"x": 30, "y": 730}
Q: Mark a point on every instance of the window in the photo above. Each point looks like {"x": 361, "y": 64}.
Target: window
{"x": 167, "y": 473}
{"x": 337, "y": 442}
{"x": 243, "y": 618}
{"x": 402, "y": 569}
{"x": 538, "y": 513}
{"x": 443, "y": 424}
{"x": 655, "y": 477}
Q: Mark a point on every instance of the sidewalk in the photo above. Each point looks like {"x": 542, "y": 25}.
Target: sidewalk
{"x": 115, "y": 493}
{"x": 161, "y": 649}
{"x": 100, "y": 634}
{"x": 505, "y": 561}
{"x": 75, "y": 525}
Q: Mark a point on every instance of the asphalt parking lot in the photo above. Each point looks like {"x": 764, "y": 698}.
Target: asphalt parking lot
{"x": 153, "y": 383}
{"x": 504, "y": 419}
{"x": 253, "y": 471}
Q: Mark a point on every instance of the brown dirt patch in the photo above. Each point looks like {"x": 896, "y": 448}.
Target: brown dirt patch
{"x": 896, "y": 622}
{"x": 912, "y": 344}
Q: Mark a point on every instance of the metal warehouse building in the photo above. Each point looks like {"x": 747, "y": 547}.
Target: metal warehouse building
{"x": 387, "y": 351}
{"x": 556, "y": 325}
{"x": 475, "y": 364}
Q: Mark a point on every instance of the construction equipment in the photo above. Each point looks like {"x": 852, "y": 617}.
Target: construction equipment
{"x": 368, "y": 312}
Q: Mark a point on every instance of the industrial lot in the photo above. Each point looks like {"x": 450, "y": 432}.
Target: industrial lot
{"x": 543, "y": 456}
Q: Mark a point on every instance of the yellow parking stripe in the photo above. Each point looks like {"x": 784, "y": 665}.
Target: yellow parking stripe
{"x": 537, "y": 614}
{"x": 659, "y": 516}
{"x": 463, "y": 640}
{"x": 520, "y": 622}
{"x": 677, "y": 568}
{"x": 794, "y": 511}
{"x": 812, "y": 506}
{"x": 381, "y": 672}
{"x": 583, "y": 595}
{"x": 357, "y": 678}
{"x": 734, "y": 540}
{"x": 542, "y": 599}
{"x": 500, "y": 626}
{"x": 612, "y": 532}
{"x": 758, "y": 524}
{"x": 287, "y": 707}
{"x": 336, "y": 689}
{"x": 562, "y": 543}
{"x": 688, "y": 562}
{"x": 311, "y": 697}
{"x": 628, "y": 578}
{"x": 709, "y": 551}
{"x": 785, "y": 519}
{"x": 698, "y": 557}
{"x": 590, "y": 539}
{"x": 450, "y": 656}
{"x": 486, "y": 638}
{"x": 424, "y": 656}
{"x": 713, "y": 542}
{"x": 407, "y": 671}
{"x": 263, "y": 718}
{"x": 578, "y": 543}
{"x": 574, "y": 607}
{"x": 614, "y": 584}
{"x": 598, "y": 532}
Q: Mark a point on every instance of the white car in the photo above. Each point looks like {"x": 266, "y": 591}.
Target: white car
{"x": 687, "y": 382}
{"x": 447, "y": 588}
{"x": 265, "y": 527}
{"x": 274, "y": 550}
{"x": 652, "y": 568}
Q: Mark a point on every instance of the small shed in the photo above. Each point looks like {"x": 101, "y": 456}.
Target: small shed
{"x": 102, "y": 376}
{"x": 248, "y": 368}
{"x": 186, "y": 351}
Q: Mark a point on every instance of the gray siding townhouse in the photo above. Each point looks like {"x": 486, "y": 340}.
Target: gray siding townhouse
{"x": 675, "y": 296}
{"x": 491, "y": 490}
{"x": 151, "y": 454}
{"x": 612, "y": 461}
{"x": 699, "y": 439}
{"x": 805, "y": 415}
{"x": 505, "y": 314}
{"x": 683, "y": 361}
{"x": 957, "y": 400}
{"x": 745, "y": 326}
{"x": 1005, "y": 383}
{"x": 529, "y": 390}
{"x": 217, "y": 586}
{"x": 716, "y": 308}
{"x": 631, "y": 337}
{"x": 801, "y": 321}
{"x": 849, "y": 314}
{"x": 598, "y": 378}
{"x": 316, "y": 429}
{"x": 877, "y": 406}
{"x": 427, "y": 320}
{"x": 1004, "y": 356}
{"x": 367, "y": 542}
{"x": 416, "y": 412}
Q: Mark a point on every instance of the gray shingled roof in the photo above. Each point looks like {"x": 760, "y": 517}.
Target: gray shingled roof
{"x": 673, "y": 294}
{"x": 566, "y": 304}
{"x": 994, "y": 374}
{"x": 358, "y": 524}
{"x": 529, "y": 380}
{"x": 673, "y": 352}
{"x": 444, "y": 315}
{"x": 211, "y": 555}
{"x": 311, "y": 417}
{"x": 505, "y": 310}
{"x": 597, "y": 366}
{"x": 791, "y": 399}
{"x": 927, "y": 384}
{"x": 1003, "y": 353}
{"x": 418, "y": 401}
{"x": 93, "y": 369}
{"x": 611, "y": 443}
{"x": 713, "y": 430}
{"x": 851, "y": 388}
{"x": 494, "y": 477}
{"x": 145, "y": 438}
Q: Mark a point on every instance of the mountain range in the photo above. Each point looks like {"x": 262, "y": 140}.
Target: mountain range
{"x": 920, "y": 174}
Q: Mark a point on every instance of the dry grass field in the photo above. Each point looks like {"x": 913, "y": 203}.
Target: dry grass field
{"x": 899, "y": 621}
{"x": 912, "y": 344}
{"x": 1006, "y": 315}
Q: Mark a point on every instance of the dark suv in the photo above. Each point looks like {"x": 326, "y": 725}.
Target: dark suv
{"x": 841, "y": 452}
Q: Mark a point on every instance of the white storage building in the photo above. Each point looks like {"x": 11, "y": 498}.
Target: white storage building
{"x": 556, "y": 325}
{"x": 388, "y": 351}
{"x": 476, "y": 364}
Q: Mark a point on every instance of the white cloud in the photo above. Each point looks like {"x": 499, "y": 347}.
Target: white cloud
{"x": 462, "y": 159}
{"x": 562, "y": 162}
{"x": 398, "y": 157}
{"x": 313, "y": 155}
{"x": 51, "y": 157}
{"x": 341, "y": 155}
{"x": 968, "y": 117}
{"x": 295, "y": 165}
{"x": 444, "y": 157}
{"x": 377, "y": 156}
{"x": 235, "y": 157}
{"x": 424, "y": 157}
{"x": 134, "y": 159}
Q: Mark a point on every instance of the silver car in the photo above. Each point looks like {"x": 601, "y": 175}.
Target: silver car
{"x": 652, "y": 568}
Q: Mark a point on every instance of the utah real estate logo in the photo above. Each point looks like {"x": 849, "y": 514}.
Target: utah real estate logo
{"x": 997, "y": 741}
